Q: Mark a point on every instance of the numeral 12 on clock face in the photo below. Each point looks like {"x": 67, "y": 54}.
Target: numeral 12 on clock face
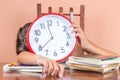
{"x": 50, "y": 36}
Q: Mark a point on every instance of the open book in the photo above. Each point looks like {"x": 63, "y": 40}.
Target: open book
{"x": 22, "y": 68}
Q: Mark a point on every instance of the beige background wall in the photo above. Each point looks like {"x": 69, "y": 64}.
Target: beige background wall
{"x": 102, "y": 21}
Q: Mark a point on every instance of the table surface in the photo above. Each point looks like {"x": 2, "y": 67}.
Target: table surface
{"x": 69, "y": 75}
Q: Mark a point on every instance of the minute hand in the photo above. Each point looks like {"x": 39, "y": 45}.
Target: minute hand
{"x": 47, "y": 42}
{"x": 49, "y": 39}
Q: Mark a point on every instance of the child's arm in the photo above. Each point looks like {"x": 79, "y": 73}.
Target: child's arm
{"x": 89, "y": 46}
{"x": 25, "y": 57}
{"x": 50, "y": 66}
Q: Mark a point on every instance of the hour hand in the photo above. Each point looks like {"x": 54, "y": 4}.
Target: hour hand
{"x": 49, "y": 39}
{"x": 50, "y": 32}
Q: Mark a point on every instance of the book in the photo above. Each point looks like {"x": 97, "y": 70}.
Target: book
{"x": 17, "y": 67}
{"x": 98, "y": 63}
{"x": 95, "y": 59}
{"x": 105, "y": 69}
{"x": 22, "y": 68}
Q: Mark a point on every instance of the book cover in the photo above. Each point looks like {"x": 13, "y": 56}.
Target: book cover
{"x": 95, "y": 59}
{"x": 22, "y": 68}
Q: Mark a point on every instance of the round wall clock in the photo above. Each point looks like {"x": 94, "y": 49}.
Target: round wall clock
{"x": 50, "y": 36}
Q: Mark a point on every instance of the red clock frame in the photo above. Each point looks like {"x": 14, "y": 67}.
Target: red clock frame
{"x": 28, "y": 31}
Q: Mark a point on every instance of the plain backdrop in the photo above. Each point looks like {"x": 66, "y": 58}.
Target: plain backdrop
{"x": 102, "y": 21}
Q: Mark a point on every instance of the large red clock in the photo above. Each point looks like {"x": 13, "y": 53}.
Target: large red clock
{"x": 50, "y": 36}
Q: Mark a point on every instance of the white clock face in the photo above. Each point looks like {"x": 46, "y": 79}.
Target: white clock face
{"x": 50, "y": 36}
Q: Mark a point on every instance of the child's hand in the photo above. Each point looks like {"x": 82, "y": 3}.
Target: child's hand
{"x": 51, "y": 67}
{"x": 78, "y": 31}
{"x": 81, "y": 35}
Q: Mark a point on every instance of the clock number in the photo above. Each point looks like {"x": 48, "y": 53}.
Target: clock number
{"x": 39, "y": 47}
{"x": 68, "y": 35}
{"x": 55, "y": 53}
{"x": 67, "y": 44}
{"x": 46, "y": 52}
{"x": 58, "y": 23}
{"x": 36, "y": 39}
{"x": 42, "y": 25}
{"x": 37, "y": 32}
{"x": 62, "y": 50}
{"x": 49, "y": 23}
{"x": 65, "y": 28}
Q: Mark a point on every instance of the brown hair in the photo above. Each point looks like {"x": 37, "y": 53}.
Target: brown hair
{"x": 21, "y": 39}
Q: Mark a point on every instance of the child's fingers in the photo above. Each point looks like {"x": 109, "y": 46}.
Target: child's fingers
{"x": 75, "y": 26}
{"x": 51, "y": 67}
{"x": 56, "y": 69}
{"x": 61, "y": 71}
{"x": 75, "y": 30}
{"x": 44, "y": 64}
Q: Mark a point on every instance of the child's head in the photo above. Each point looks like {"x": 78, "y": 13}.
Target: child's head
{"x": 21, "y": 39}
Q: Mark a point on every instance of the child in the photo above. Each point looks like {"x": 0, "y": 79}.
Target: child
{"x": 51, "y": 67}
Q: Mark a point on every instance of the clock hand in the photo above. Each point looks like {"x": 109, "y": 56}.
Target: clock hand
{"x": 50, "y": 32}
{"x": 49, "y": 39}
{"x": 47, "y": 42}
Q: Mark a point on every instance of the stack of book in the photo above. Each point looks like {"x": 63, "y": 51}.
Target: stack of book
{"x": 98, "y": 63}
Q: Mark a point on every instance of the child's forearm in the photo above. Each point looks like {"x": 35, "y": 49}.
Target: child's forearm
{"x": 26, "y": 57}
{"x": 93, "y": 48}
